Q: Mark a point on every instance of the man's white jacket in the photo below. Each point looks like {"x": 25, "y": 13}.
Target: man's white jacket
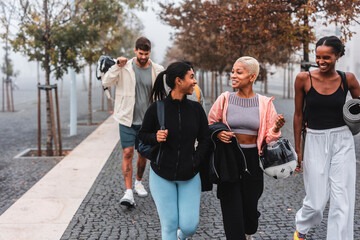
{"x": 124, "y": 78}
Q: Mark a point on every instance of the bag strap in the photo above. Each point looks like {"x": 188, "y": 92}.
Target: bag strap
{"x": 344, "y": 81}
{"x": 304, "y": 121}
{"x": 197, "y": 91}
{"x": 161, "y": 113}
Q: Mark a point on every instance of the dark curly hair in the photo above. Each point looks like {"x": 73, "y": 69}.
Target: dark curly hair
{"x": 334, "y": 42}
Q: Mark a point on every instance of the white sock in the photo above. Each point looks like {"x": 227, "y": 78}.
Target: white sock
{"x": 136, "y": 181}
{"x": 129, "y": 191}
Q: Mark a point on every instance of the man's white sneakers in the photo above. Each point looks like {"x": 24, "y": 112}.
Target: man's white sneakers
{"x": 140, "y": 190}
{"x": 128, "y": 199}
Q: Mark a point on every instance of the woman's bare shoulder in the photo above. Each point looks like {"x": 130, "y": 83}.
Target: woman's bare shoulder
{"x": 302, "y": 76}
{"x": 351, "y": 80}
{"x": 301, "y": 79}
{"x": 350, "y": 77}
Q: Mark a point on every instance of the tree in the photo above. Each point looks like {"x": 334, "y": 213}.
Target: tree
{"x": 7, "y": 15}
{"x": 197, "y": 37}
{"x": 109, "y": 32}
{"x": 47, "y": 34}
{"x": 269, "y": 30}
{"x": 273, "y": 30}
{"x": 338, "y": 12}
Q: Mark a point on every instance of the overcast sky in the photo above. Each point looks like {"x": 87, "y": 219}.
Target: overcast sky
{"x": 157, "y": 32}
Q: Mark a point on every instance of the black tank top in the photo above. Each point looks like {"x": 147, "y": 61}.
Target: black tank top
{"x": 324, "y": 111}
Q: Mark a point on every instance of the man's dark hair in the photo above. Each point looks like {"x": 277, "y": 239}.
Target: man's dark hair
{"x": 143, "y": 43}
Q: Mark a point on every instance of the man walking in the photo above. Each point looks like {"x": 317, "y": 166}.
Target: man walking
{"x": 134, "y": 80}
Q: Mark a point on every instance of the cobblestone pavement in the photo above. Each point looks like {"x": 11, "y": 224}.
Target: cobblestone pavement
{"x": 18, "y": 131}
{"x": 100, "y": 216}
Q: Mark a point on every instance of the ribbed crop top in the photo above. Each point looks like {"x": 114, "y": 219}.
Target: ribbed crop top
{"x": 324, "y": 111}
{"x": 243, "y": 114}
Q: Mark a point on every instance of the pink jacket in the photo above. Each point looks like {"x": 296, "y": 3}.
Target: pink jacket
{"x": 267, "y": 117}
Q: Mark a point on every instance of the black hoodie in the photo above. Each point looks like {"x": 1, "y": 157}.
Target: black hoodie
{"x": 186, "y": 121}
{"x": 227, "y": 163}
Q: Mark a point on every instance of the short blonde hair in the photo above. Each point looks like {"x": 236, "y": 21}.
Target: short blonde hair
{"x": 251, "y": 64}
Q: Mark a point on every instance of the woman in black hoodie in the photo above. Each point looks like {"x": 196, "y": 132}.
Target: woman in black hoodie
{"x": 174, "y": 178}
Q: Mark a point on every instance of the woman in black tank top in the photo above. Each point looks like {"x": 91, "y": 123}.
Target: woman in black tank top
{"x": 329, "y": 143}
{"x": 324, "y": 111}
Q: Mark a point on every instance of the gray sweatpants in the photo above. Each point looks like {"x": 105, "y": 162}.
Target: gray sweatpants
{"x": 329, "y": 171}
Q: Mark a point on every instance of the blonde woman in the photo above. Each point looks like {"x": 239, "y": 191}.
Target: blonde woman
{"x": 240, "y": 122}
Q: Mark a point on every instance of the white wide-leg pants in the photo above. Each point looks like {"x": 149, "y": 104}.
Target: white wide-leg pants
{"x": 329, "y": 171}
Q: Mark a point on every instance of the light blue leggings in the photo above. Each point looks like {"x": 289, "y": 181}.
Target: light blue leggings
{"x": 178, "y": 205}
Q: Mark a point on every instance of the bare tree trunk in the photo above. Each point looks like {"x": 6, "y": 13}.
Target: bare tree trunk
{"x": 291, "y": 80}
{"x": 39, "y": 120}
{"x": 89, "y": 97}
{"x": 284, "y": 84}
{"x": 84, "y": 80}
{"x": 203, "y": 82}
{"x": 305, "y": 43}
{"x": 38, "y": 72}
{"x": 212, "y": 86}
{"x": 7, "y": 96}
{"x": 51, "y": 100}
{"x": 58, "y": 121}
{"x": 12, "y": 97}
{"x": 49, "y": 135}
{"x": 61, "y": 87}
{"x": 266, "y": 86}
{"x": 7, "y": 13}
{"x": 3, "y": 95}
{"x": 216, "y": 86}
{"x": 289, "y": 86}
{"x": 208, "y": 84}
{"x": 221, "y": 83}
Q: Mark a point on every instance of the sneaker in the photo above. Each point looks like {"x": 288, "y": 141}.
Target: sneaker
{"x": 178, "y": 235}
{"x": 140, "y": 190}
{"x": 299, "y": 236}
{"x": 128, "y": 199}
{"x": 248, "y": 237}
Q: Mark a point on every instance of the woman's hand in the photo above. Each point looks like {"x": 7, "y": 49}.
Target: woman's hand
{"x": 161, "y": 135}
{"x": 279, "y": 122}
{"x": 298, "y": 167}
{"x": 225, "y": 136}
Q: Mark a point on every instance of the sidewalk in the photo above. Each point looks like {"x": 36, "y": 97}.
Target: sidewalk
{"x": 102, "y": 217}
{"x": 88, "y": 207}
{"x": 46, "y": 209}
{"x": 18, "y": 132}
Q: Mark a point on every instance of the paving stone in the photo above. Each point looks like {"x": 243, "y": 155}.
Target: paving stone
{"x": 100, "y": 215}
{"x": 18, "y": 131}
{"x": 278, "y": 204}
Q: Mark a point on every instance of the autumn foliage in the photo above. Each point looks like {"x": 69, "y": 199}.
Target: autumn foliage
{"x": 215, "y": 33}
